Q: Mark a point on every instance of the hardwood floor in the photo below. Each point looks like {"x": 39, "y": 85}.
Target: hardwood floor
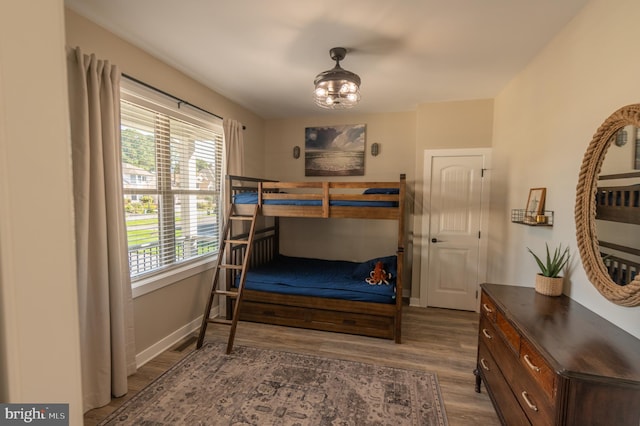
{"x": 435, "y": 340}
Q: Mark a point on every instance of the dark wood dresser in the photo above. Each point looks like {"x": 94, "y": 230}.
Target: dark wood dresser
{"x": 550, "y": 361}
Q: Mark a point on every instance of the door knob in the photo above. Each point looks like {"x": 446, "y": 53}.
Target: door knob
{"x": 434, "y": 240}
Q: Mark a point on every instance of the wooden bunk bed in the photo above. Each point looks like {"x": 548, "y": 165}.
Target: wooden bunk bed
{"x": 619, "y": 204}
{"x": 621, "y": 270}
{"x": 360, "y": 200}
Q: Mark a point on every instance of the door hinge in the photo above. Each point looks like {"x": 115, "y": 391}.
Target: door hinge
{"x": 478, "y": 234}
{"x": 476, "y": 294}
{"x": 482, "y": 172}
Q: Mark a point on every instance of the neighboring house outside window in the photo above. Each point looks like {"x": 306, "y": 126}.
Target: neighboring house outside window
{"x": 171, "y": 160}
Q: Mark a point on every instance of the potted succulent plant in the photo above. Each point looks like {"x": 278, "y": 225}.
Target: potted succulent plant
{"x": 548, "y": 281}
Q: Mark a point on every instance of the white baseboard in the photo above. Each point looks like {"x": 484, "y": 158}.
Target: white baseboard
{"x": 414, "y": 301}
{"x": 156, "y": 349}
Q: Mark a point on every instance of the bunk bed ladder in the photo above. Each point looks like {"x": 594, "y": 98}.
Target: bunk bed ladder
{"x": 228, "y": 242}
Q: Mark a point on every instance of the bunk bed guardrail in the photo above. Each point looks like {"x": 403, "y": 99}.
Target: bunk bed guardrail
{"x": 622, "y": 271}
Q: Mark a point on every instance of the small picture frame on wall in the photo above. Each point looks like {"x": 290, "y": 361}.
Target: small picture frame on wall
{"x": 535, "y": 202}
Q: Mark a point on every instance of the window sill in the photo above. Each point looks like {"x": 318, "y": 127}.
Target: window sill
{"x": 157, "y": 281}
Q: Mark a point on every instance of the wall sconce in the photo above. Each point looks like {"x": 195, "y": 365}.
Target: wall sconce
{"x": 375, "y": 149}
{"x": 621, "y": 137}
{"x": 296, "y": 152}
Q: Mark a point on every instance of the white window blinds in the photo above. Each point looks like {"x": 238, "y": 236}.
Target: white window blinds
{"x": 171, "y": 160}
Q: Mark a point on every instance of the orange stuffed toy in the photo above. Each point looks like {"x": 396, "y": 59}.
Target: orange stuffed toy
{"x": 378, "y": 276}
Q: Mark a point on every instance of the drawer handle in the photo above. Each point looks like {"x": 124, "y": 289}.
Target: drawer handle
{"x": 525, "y": 396}
{"x": 484, "y": 365}
{"x": 487, "y": 308}
{"x": 530, "y": 364}
{"x": 486, "y": 333}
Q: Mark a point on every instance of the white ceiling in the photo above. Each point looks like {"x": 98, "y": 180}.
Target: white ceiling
{"x": 264, "y": 54}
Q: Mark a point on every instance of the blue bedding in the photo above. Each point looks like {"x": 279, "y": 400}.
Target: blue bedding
{"x": 334, "y": 279}
{"x": 252, "y": 198}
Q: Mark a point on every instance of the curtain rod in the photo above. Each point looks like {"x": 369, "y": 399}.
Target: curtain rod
{"x": 180, "y": 101}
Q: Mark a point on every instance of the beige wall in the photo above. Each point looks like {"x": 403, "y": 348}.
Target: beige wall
{"x": 169, "y": 310}
{"x": 394, "y": 132}
{"x": 544, "y": 120}
{"x": 445, "y": 125}
{"x": 39, "y": 336}
{"x": 161, "y": 316}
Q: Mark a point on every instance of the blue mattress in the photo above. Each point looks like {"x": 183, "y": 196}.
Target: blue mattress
{"x": 252, "y": 198}
{"x": 334, "y": 279}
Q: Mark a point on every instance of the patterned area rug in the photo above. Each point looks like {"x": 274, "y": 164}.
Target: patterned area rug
{"x": 264, "y": 387}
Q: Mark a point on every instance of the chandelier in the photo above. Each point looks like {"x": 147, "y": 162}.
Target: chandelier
{"x": 337, "y": 88}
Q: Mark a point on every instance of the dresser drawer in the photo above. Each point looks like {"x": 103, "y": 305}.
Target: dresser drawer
{"x": 511, "y": 336}
{"x": 532, "y": 398}
{"x": 509, "y": 409}
{"x": 487, "y": 307}
{"x": 490, "y": 337}
{"x": 506, "y": 359}
{"x": 538, "y": 368}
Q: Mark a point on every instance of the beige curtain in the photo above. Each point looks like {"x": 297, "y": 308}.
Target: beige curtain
{"x": 233, "y": 155}
{"x": 234, "y": 147}
{"x": 104, "y": 286}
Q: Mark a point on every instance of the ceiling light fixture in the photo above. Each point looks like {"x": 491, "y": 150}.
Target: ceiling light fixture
{"x": 337, "y": 88}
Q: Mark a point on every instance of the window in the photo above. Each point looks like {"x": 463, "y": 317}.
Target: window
{"x": 171, "y": 160}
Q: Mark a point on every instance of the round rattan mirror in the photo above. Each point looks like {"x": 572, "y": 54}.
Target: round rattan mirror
{"x": 585, "y": 209}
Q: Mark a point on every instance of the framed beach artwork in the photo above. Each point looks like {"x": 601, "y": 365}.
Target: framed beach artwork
{"x": 334, "y": 150}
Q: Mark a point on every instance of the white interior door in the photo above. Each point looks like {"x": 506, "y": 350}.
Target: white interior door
{"x": 454, "y": 252}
